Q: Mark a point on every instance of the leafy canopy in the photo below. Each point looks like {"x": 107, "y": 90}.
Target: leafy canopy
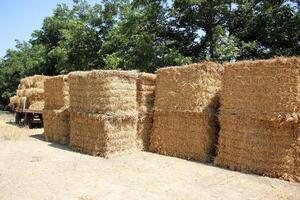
{"x": 149, "y": 34}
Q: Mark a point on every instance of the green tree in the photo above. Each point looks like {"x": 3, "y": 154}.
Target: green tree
{"x": 24, "y": 60}
{"x": 194, "y": 25}
{"x": 273, "y": 24}
{"x": 262, "y": 29}
{"x": 140, "y": 38}
{"x": 78, "y": 49}
{"x": 148, "y": 34}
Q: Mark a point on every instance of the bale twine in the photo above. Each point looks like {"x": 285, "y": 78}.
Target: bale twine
{"x": 56, "y": 113}
{"x": 186, "y": 104}
{"x": 103, "y": 119}
{"x": 260, "y": 130}
{"x": 145, "y": 101}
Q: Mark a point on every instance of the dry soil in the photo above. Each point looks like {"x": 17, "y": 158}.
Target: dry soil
{"x": 31, "y": 168}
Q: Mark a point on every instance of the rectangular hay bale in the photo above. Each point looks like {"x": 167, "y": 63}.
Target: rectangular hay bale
{"x": 186, "y": 104}
{"x": 102, "y": 135}
{"x": 56, "y": 126}
{"x": 13, "y": 102}
{"x": 57, "y": 92}
{"x": 145, "y": 100}
{"x": 259, "y": 118}
{"x": 103, "y": 91}
{"x": 36, "y": 81}
{"x": 184, "y": 135}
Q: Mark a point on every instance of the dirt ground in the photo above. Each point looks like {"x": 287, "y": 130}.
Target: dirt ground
{"x": 31, "y": 168}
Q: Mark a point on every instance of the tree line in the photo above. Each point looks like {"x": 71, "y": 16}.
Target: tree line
{"x": 149, "y": 34}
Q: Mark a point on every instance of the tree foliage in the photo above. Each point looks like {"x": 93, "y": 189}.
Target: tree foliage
{"x": 149, "y": 34}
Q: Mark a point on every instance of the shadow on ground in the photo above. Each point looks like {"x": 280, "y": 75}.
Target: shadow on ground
{"x": 21, "y": 125}
{"x": 11, "y": 123}
{"x": 38, "y": 136}
{"x": 59, "y": 146}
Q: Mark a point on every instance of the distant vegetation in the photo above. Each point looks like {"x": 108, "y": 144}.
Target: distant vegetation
{"x": 148, "y": 34}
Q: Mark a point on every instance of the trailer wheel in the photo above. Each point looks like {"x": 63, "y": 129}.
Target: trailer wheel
{"x": 30, "y": 124}
{"x": 30, "y": 121}
{"x": 17, "y": 118}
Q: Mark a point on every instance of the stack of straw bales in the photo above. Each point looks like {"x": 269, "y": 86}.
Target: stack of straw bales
{"x": 32, "y": 89}
{"x": 56, "y": 113}
{"x": 259, "y": 118}
{"x": 145, "y": 101}
{"x": 186, "y": 104}
{"x": 103, "y": 117}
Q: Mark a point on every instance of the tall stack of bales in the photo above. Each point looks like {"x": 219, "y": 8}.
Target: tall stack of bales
{"x": 145, "y": 101}
{"x": 56, "y": 113}
{"x": 186, "y": 104}
{"x": 103, "y": 118}
{"x": 31, "y": 92}
{"x": 259, "y": 118}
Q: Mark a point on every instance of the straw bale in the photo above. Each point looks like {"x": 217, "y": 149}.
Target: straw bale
{"x": 259, "y": 118}
{"x": 251, "y": 145}
{"x": 263, "y": 87}
{"x": 56, "y": 126}
{"x": 103, "y": 91}
{"x": 32, "y": 93}
{"x": 144, "y": 130}
{"x": 20, "y": 92}
{"x": 145, "y": 101}
{"x": 184, "y": 135}
{"x": 57, "y": 92}
{"x": 146, "y": 97}
{"x": 36, "y": 81}
{"x": 25, "y": 83}
{"x": 13, "y": 102}
{"x": 146, "y": 79}
{"x": 32, "y": 89}
{"x": 34, "y": 98}
{"x": 37, "y": 105}
{"x": 21, "y": 101}
{"x": 186, "y": 104}
{"x": 102, "y": 135}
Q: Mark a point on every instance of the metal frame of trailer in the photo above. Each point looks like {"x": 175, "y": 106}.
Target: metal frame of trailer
{"x": 30, "y": 117}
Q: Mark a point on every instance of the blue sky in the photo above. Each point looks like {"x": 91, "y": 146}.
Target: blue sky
{"x": 18, "y": 18}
